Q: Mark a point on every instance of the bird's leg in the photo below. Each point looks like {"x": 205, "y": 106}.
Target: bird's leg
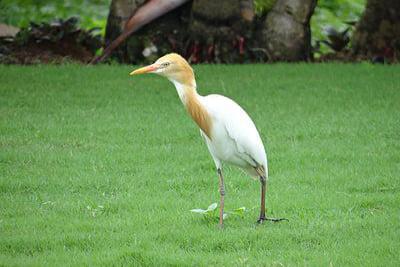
{"x": 222, "y": 194}
{"x": 263, "y": 218}
{"x": 263, "y": 181}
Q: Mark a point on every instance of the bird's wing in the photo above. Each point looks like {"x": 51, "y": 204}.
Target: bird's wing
{"x": 239, "y": 128}
{"x": 217, "y": 162}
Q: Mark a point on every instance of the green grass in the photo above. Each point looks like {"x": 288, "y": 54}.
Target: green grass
{"x": 101, "y": 169}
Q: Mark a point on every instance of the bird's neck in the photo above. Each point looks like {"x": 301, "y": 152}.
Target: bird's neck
{"x": 194, "y": 106}
{"x": 185, "y": 90}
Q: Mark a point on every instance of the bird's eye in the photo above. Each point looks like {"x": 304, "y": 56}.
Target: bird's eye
{"x": 165, "y": 64}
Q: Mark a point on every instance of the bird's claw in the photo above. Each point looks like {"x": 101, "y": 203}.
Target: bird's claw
{"x": 262, "y": 219}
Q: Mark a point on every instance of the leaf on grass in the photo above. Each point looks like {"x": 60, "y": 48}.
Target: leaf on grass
{"x": 240, "y": 210}
{"x": 198, "y": 211}
{"x": 210, "y": 212}
{"x": 212, "y": 207}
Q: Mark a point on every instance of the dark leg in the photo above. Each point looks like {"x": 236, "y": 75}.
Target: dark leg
{"x": 263, "y": 189}
{"x": 263, "y": 218}
{"x": 222, "y": 194}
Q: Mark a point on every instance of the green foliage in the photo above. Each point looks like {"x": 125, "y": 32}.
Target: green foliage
{"x": 334, "y": 13}
{"x": 263, "y": 6}
{"x": 101, "y": 169}
{"x": 92, "y": 13}
{"x": 212, "y": 213}
{"x": 58, "y": 31}
{"x": 328, "y": 13}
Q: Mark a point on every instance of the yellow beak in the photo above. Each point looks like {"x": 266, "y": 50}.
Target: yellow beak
{"x": 147, "y": 69}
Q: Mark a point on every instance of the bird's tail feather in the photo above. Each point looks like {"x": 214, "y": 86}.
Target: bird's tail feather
{"x": 262, "y": 171}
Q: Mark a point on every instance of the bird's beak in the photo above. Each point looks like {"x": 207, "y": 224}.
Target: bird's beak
{"x": 147, "y": 69}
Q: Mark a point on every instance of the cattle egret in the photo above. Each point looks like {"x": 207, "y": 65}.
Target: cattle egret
{"x": 228, "y": 131}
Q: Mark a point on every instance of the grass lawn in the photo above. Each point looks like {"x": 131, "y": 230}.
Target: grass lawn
{"x": 100, "y": 168}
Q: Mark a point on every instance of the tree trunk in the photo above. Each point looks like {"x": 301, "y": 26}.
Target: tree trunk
{"x": 224, "y": 31}
{"x": 120, "y": 12}
{"x": 163, "y": 35}
{"x": 219, "y": 30}
{"x": 377, "y": 33}
{"x": 287, "y": 30}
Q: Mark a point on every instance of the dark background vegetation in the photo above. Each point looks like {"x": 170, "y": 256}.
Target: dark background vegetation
{"x": 93, "y": 13}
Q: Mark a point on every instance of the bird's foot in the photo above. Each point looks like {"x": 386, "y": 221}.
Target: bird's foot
{"x": 263, "y": 219}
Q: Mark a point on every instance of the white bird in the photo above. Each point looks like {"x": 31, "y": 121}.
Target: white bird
{"x": 228, "y": 131}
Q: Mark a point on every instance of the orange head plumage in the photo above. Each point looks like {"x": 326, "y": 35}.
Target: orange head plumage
{"x": 172, "y": 66}
{"x": 177, "y": 70}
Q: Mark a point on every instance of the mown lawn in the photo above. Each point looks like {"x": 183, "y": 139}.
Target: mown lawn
{"x": 99, "y": 168}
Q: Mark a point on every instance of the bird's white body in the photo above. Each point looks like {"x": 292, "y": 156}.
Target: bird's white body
{"x": 230, "y": 134}
{"x": 234, "y": 137}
